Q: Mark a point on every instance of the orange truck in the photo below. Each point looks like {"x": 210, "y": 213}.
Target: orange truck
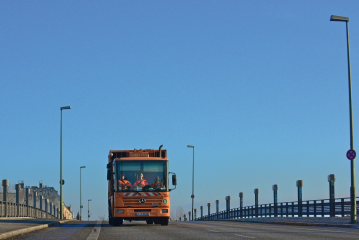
{"x": 138, "y": 186}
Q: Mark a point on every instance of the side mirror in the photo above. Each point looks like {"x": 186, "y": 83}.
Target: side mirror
{"x": 109, "y": 173}
{"x": 108, "y": 165}
{"x": 174, "y": 180}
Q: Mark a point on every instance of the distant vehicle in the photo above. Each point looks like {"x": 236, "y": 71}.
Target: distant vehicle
{"x": 138, "y": 186}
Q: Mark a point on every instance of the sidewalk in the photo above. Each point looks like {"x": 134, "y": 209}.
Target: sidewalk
{"x": 14, "y": 226}
{"x": 302, "y": 221}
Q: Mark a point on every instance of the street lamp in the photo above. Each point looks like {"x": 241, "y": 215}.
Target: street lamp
{"x": 81, "y": 194}
{"x": 353, "y": 211}
{"x": 61, "y": 181}
{"x": 88, "y": 209}
{"x": 190, "y": 146}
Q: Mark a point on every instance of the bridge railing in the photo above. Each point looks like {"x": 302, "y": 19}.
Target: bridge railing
{"x": 311, "y": 208}
{"x": 332, "y": 207}
{"x": 9, "y": 209}
{"x": 21, "y": 207}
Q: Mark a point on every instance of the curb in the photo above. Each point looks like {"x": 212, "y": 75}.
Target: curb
{"x": 301, "y": 224}
{"x": 31, "y": 229}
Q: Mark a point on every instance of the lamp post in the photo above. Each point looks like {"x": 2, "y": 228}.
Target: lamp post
{"x": 88, "y": 209}
{"x": 81, "y": 194}
{"x": 190, "y": 146}
{"x": 353, "y": 211}
{"x": 61, "y": 181}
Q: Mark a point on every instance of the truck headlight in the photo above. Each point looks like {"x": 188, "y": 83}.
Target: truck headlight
{"x": 119, "y": 211}
{"x": 164, "y": 210}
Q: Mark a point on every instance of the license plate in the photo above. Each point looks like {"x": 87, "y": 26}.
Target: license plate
{"x": 142, "y": 214}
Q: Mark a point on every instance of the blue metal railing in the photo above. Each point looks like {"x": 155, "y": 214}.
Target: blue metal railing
{"x": 312, "y": 208}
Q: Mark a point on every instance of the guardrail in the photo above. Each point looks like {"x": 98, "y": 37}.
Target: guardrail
{"x": 8, "y": 209}
{"x": 333, "y": 207}
{"x": 311, "y": 208}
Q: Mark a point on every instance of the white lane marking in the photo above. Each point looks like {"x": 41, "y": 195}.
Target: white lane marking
{"x": 243, "y": 236}
{"x": 212, "y": 230}
{"x": 298, "y": 227}
{"x": 95, "y": 232}
{"x": 310, "y": 228}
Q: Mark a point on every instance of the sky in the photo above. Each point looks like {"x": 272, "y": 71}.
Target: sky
{"x": 260, "y": 88}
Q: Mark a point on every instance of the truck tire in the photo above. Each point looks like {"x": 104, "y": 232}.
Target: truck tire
{"x": 109, "y": 218}
{"x": 164, "y": 221}
{"x": 157, "y": 221}
{"x": 117, "y": 221}
{"x": 149, "y": 221}
{"x": 109, "y": 213}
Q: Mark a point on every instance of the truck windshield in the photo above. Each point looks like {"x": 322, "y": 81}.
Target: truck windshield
{"x": 141, "y": 176}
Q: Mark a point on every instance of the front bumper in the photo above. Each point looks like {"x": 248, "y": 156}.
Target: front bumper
{"x": 142, "y": 212}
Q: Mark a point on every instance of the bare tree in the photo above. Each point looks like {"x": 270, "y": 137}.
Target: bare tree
{"x": 179, "y": 212}
{"x": 103, "y": 218}
{"x": 172, "y": 216}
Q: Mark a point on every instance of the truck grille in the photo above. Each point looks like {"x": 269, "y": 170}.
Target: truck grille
{"x": 136, "y": 202}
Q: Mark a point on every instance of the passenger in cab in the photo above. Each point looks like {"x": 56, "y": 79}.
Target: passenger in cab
{"x": 140, "y": 182}
{"x": 158, "y": 183}
{"x": 123, "y": 184}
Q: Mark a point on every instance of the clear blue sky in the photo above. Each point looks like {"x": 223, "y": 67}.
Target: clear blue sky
{"x": 260, "y": 88}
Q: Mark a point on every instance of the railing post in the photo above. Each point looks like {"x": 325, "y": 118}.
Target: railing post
{"x": 265, "y": 210}
{"x": 241, "y": 203}
{"x": 286, "y": 209}
{"x": 307, "y": 208}
{"x": 46, "y": 207}
{"x": 292, "y": 209}
{"x": 27, "y": 191}
{"x": 217, "y": 208}
{"x": 189, "y": 216}
{"x": 195, "y": 214}
{"x": 300, "y": 186}
{"x": 322, "y": 208}
{"x": 209, "y": 210}
{"x": 40, "y": 199}
{"x": 256, "y": 192}
{"x": 342, "y": 203}
{"x": 275, "y": 199}
{"x": 57, "y": 213}
{"x": 34, "y": 196}
{"x": 17, "y": 206}
{"x": 228, "y": 206}
{"x": 331, "y": 180}
{"x": 5, "y": 184}
{"x": 315, "y": 208}
{"x": 201, "y": 212}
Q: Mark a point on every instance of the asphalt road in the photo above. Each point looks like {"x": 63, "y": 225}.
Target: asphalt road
{"x": 188, "y": 230}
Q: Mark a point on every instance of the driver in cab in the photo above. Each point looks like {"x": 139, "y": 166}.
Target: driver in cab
{"x": 123, "y": 184}
{"x": 157, "y": 184}
{"x": 140, "y": 182}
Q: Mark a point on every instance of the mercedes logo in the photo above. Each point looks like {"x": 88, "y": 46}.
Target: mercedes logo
{"x": 142, "y": 201}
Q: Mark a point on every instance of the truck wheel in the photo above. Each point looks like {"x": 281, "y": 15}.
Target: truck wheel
{"x": 164, "y": 221}
{"x": 117, "y": 221}
{"x": 157, "y": 221}
{"x": 109, "y": 218}
{"x": 149, "y": 221}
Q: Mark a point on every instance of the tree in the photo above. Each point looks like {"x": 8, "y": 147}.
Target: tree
{"x": 103, "y": 218}
{"x": 179, "y": 212}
